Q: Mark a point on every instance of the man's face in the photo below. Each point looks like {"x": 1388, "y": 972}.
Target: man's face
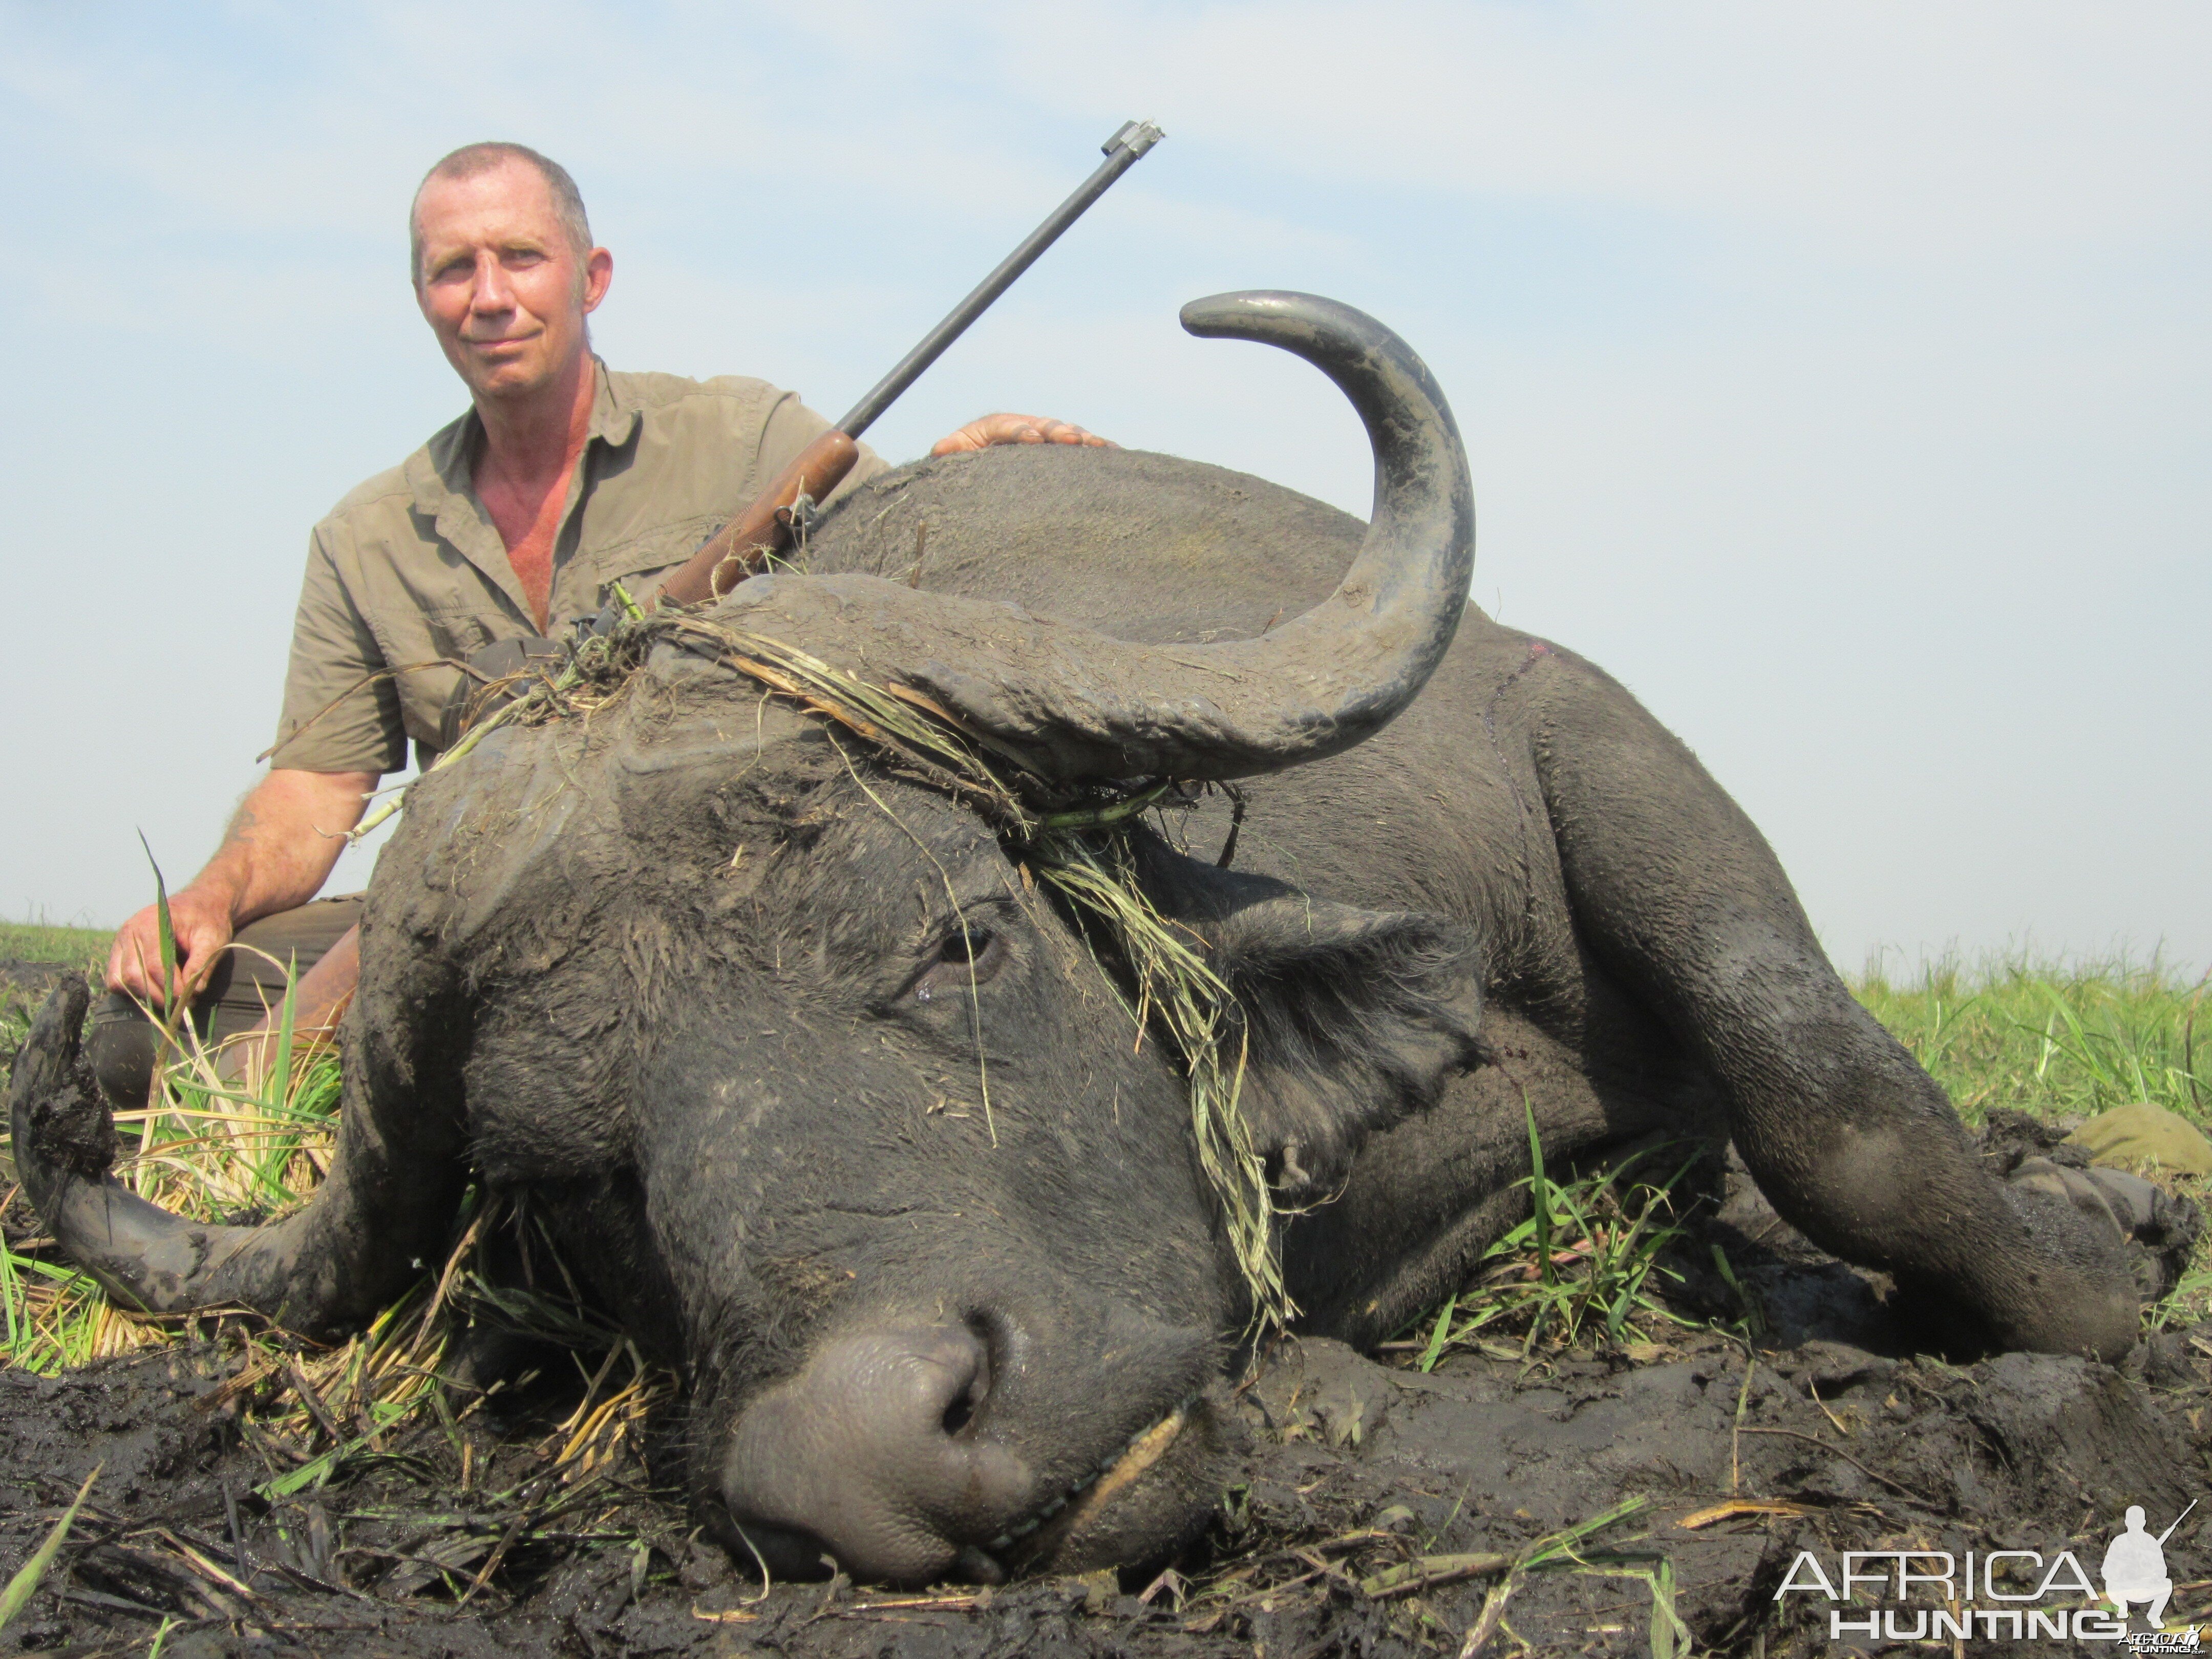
{"x": 500, "y": 283}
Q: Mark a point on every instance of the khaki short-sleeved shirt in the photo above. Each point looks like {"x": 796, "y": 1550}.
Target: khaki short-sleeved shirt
{"x": 407, "y": 575}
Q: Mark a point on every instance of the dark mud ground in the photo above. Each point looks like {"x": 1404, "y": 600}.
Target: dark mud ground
{"x": 1830, "y": 1439}
{"x": 1354, "y": 1467}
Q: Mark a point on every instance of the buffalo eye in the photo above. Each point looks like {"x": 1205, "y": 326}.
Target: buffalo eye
{"x": 964, "y": 956}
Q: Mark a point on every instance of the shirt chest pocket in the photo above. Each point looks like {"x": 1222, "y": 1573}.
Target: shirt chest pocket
{"x": 456, "y": 632}
{"x": 636, "y": 563}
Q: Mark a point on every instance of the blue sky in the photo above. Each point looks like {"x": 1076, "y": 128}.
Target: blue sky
{"x": 1834, "y": 374}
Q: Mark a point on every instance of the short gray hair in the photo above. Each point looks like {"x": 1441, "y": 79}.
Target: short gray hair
{"x": 471, "y": 160}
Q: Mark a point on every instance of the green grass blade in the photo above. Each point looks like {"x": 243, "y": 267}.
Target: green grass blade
{"x": 278, "y": 1086}
{"x": 1616, "y": 1316}
{"x": 1441, "y": 1336}
{"x": 169, "y": 937}
{"x": 1670, "y": 1637}
{"x": 383, "y": 1415}
{"x": 10, "y": 1291}
{"x": 1565, "y": 1546}
{"x": 25, "y": 1583}
{"x": 1540, "y": 1191}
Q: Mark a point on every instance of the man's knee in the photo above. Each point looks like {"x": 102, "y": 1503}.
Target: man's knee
{"x": 120, "y": 1047}
{"x": 250, "y": 981}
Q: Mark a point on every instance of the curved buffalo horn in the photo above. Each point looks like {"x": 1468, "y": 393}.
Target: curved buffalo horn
{"x": 1076, "y": 704}
{"x": 383, "y": 1212}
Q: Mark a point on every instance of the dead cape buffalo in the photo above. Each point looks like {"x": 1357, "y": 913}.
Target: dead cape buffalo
{"x": 725, "y": 989}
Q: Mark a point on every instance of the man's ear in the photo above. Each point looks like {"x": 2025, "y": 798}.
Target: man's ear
{"x": 1352, "y": 1018}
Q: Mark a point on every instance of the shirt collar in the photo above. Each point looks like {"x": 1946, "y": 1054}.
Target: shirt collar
{"x": 614, "y": 417}
{"x": 437, "y": 476}
{"x": 438, "y": 473}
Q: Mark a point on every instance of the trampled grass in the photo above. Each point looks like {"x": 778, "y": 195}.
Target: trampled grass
{"x": 209, "y": 1148}
{"x": 217, "y": 1149}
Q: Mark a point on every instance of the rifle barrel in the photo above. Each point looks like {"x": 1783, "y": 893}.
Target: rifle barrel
{"x": 2177, "y": 1520}
{"x": 1123, "y": 150}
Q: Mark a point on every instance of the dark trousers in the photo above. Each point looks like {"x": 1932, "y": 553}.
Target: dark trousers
{"x": 247, "y": 986}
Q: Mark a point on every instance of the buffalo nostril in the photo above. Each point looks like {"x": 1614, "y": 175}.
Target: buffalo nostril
{"x": 960, "y": 1412}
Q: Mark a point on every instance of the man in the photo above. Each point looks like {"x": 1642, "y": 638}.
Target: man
{"x": 561, "y": 480}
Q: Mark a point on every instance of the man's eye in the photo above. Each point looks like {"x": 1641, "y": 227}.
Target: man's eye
{"x": 964, "y": 956}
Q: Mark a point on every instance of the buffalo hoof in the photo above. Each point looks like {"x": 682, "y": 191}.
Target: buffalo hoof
{"x": 2078, "y": 1289}
{"x": 2155, "y": 1230}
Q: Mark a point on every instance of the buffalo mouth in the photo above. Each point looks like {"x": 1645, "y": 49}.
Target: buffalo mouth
{"x": 1083, "y": 1503}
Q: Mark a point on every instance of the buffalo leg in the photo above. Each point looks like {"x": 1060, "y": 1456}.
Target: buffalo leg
{"x": 1680, "y": 898}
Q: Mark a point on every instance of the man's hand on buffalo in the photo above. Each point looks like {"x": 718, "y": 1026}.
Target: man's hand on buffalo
{"x": 282, "y": 840}
{"x": 1003, "y": 428}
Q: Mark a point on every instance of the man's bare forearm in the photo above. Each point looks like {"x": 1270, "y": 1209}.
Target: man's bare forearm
{"x": 284, "y": 840}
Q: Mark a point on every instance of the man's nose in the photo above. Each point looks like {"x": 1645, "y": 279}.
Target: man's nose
{"x": 491, "y": 291}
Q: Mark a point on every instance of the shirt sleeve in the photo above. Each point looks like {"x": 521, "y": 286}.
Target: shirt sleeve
{"x": 341, "y": 710}
{"x": 790, "y": 426}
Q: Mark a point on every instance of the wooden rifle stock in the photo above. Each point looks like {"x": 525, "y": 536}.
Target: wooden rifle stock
{"x": 741, "y": 546}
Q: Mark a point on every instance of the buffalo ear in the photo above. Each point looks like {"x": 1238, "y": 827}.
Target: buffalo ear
{"x": 1352, "y": 1020}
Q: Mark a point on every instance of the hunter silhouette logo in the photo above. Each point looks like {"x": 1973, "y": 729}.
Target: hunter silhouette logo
{"x": 2135, "y": 1567}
